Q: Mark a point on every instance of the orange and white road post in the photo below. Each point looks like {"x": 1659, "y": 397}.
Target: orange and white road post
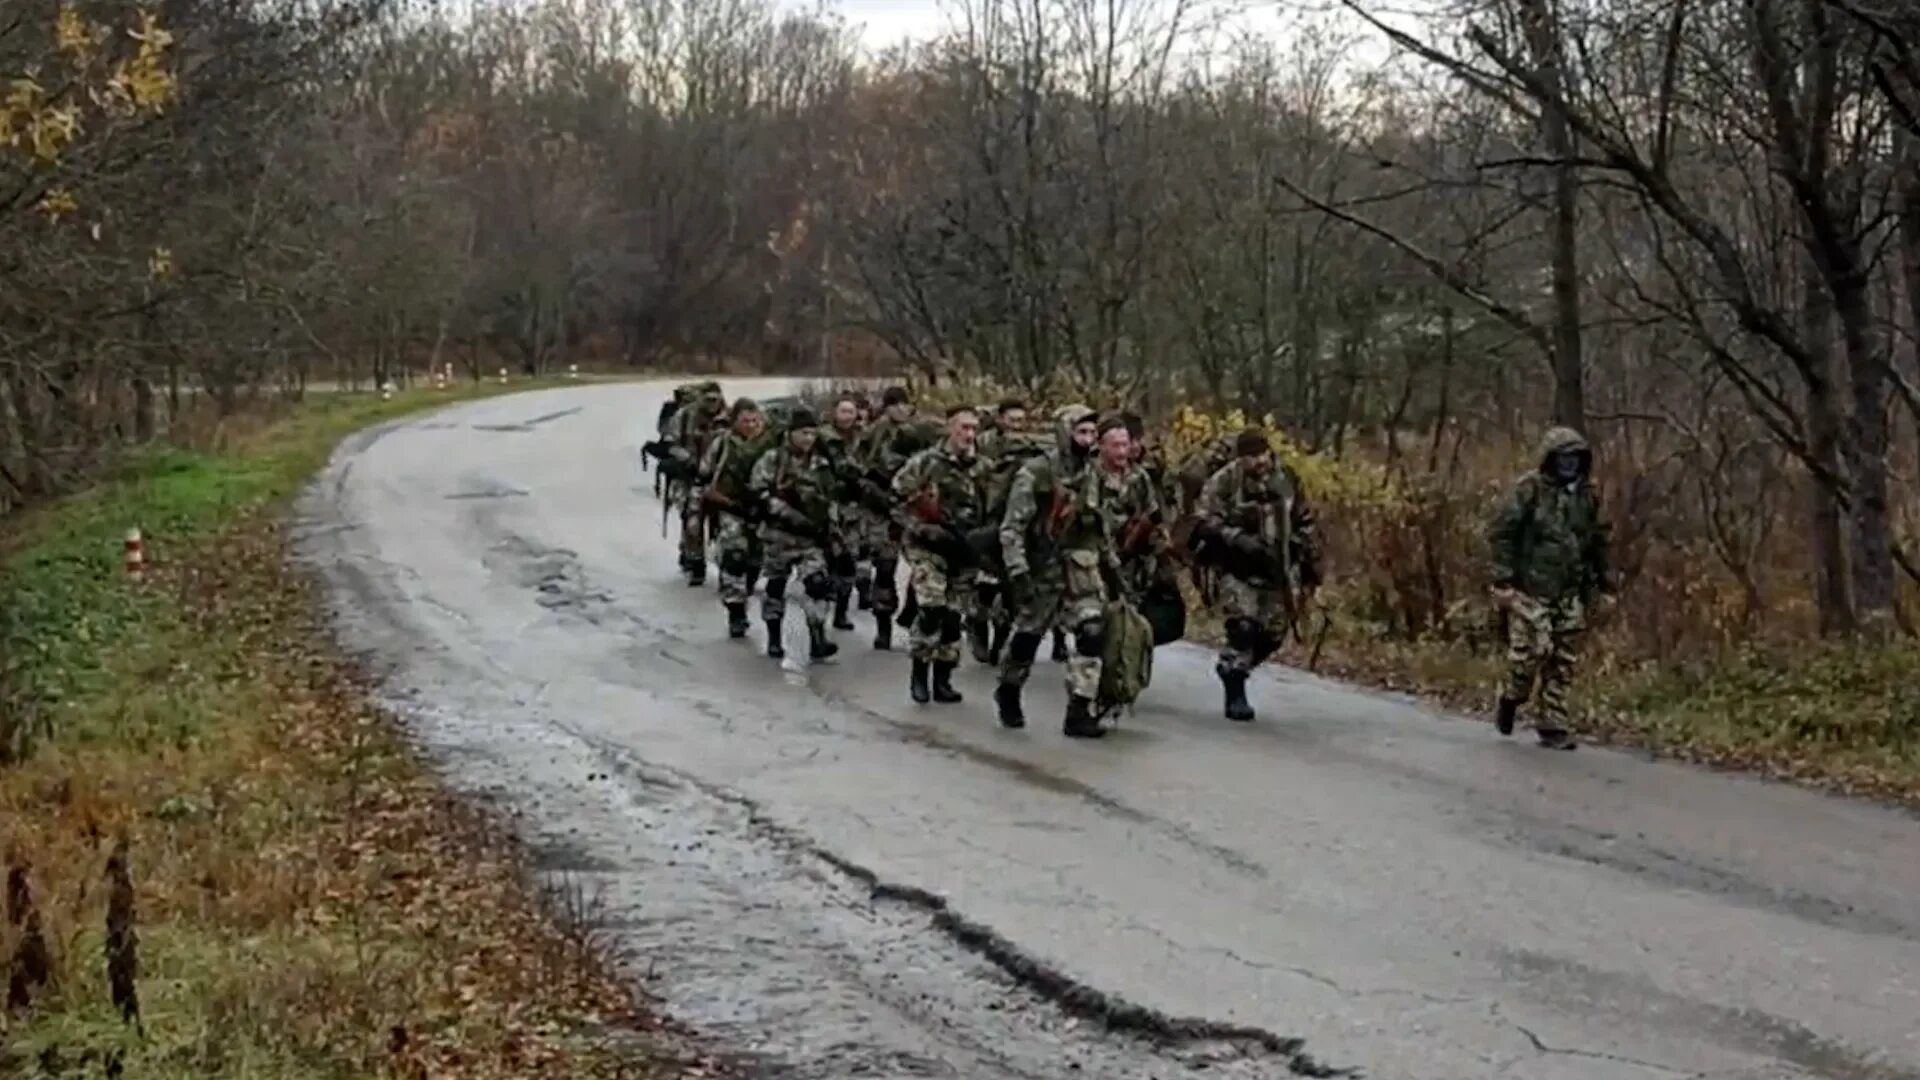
{"x": 136, "y": 555}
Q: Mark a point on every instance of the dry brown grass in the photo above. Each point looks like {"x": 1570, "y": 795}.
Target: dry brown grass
{"x": 307, "y": 901}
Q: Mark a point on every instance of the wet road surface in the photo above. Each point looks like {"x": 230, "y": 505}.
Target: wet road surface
{"x": 810, "y": 868}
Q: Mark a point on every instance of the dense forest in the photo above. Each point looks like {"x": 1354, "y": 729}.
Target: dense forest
{"x": 1689, "y": 227}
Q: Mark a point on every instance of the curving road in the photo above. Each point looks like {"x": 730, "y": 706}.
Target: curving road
{"x": 838, "y": 883}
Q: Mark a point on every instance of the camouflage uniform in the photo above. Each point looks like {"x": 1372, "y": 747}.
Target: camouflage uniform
{"x": 951, "y": 485}
{"x": 693, "y": 428}
{"x": 877, "y": 455}
{"x": 1237, "y": 509}
{"x": 1143, "y": 540}
{"x": 1001, "y": 453}
{"x": 1057, "y": 540}
{"x": 796, "y": 489}
{"x": 1549, "y": 541}
{"x": 725, "y": 478}
{"x": 1184, "y": 485}
{"x": 1031, "y": 547}
{"x": 855, "y": 538}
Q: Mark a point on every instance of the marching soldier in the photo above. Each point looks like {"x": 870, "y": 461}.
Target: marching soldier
{"x": 939, "y": 503}
{"x": 1143, "y": 539}
{"x": 694, "y": 428}
{"x": 1052, "y": 548}
{"x": 795, "y": 486}
{"x": 877, "y": 457}
{"x": 854, "y": 543}
{"x": 1257, "y": 527}
{"x": 1549, "y": 543}
{"x": 1002, "y": 451}
{"x": 727, "y": 495}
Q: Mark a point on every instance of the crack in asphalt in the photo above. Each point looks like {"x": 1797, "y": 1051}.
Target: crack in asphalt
{"x": 489, "y": 493}
{"x": 1075, "y": 997}
{"x": 1076, "y": 1001}
{"x": 1066, "y": 993}
{"x": 1541, "y": 1047}
{"x": 527, "y": 425}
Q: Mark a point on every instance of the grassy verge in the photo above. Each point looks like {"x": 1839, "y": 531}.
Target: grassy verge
{"x": 304, "y": 901}
{"x": 1838, "y": 716}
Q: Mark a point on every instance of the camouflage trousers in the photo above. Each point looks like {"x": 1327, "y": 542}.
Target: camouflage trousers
{"x": 879, "y": 552}
{"x": 1257, "y": 621}
{"x": 856, "y": 535}
{"x": 693, "y": 532}
{"x": 792, "y": 560}
{"x": 736, "y": 547}
{"x": 1543, "y": 641}
{"x": 1071, "y": 595}
{"x": 944, "y": 599}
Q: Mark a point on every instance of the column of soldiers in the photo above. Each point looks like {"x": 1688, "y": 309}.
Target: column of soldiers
{"x": 1011, "y": 537}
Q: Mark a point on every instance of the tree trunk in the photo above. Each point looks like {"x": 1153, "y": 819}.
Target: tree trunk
{"x": 1569, "y": 381}
{"x": 1869, "y": 438}
{"x": 1832, "y": 584}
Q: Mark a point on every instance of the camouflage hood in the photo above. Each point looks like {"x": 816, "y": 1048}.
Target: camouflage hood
{"x": 1563, "y": 439}
{"x": 1068, "y": 417}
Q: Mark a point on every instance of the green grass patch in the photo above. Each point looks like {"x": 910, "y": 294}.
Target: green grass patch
{"x": 307, "y": 902}
{"x": 66, "y": 605}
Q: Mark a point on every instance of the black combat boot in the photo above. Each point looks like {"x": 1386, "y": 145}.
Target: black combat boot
{"x": 737, "y": 620}
{"x": 1007, "y": 696}
{"x": 776, "y": 648}
{"x": 917, "y": 683}
{"x": 840, "y": 620}
{"x": 943, "y": 691}
{"x": 1556, "y": 738}
{"x": 696, "y": 575}
{"x": 883, "y": 632}
{"x": 818, "y": 646}
{"x": 1235, "y": 682}
{"x": 1060, "y": 652}
{"x": 1504, "y": 715}
{"x": 1080, "y": 722}
{"x": 979, "y": 638}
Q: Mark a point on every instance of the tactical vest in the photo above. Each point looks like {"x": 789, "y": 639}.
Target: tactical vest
{"x": 735, "y": 470}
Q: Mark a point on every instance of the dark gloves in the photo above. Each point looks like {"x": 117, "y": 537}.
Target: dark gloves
{"x": 1019, "y": 591}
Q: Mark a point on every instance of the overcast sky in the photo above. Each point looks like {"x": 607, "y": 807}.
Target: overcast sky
{"x": 885, "y": 23}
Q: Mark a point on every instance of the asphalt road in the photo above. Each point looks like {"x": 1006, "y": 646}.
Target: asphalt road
{"x": 813, "y": 870}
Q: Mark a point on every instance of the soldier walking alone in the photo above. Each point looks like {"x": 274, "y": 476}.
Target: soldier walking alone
{"x": 1549, "y": 542}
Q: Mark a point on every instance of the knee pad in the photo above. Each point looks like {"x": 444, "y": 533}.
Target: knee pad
{"x": 739, "y": 561}
{"x": 1023, "y": 648}
{"x": 1090, "y": 638}
{"x": 1244, "y": 634}
{"x": 932, "y": 621}
{"x": 818, "y": 586}
{"x": 951, "y": 625}
{"x": 777, "y": 588}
